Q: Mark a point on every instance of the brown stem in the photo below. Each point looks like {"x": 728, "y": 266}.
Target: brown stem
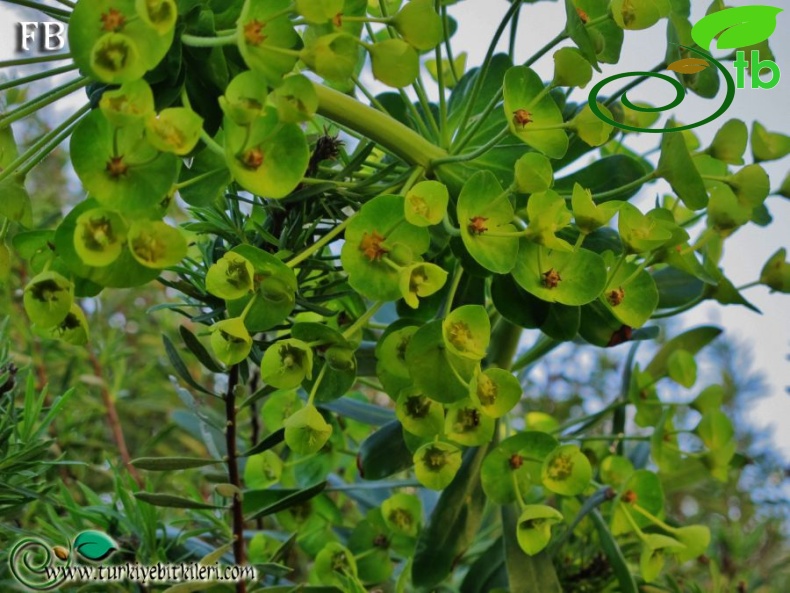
{"x": 233, "y": 473}
{"x": 114, "y": 420}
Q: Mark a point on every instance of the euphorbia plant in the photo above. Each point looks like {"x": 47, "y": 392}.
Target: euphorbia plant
{"x": 460, "y": 227}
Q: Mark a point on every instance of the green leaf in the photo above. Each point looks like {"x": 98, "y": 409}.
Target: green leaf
{"x": 419, "y": 24}
{"x": 16, "y": 204}
{"x": 262, "y": 470}
{"x": 575, "y": 29}
{"x": 452, "y": 526}
{"x": 284, "y": 499}
{"x": 230, "y": 341}
{"x": 676, "y": 166}
{"x": 94, "y": 545}
{"x": 196, "y": 347}
{"x": 395, "y": 62}
{"x": 532, "y": 114}
{"x": 730, "y": 142}
{"x": 571, "y": 68}
{"x": 614, "y": 554}
{"x": 691, "y": 341}
{"x": 384, "y": 453}
{"x": 166, "y": 464}
{"x": 768, "y": 146}
{"x": 533, "y": 173}
{"x": 676, "y": 288}
{"x": 171, "y": 501}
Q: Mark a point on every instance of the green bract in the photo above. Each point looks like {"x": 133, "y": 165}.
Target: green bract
{"x": 130, "y": 104}
{"x": 533, "y": 173}
{"x": 568, "y": 278}
{"x": 532, "y": 114}
{"x": 420, "y": 280}
{"x": 466, "y": 424}
{"x": 333, "y": 56}
{"x": 436, "y": 463}
{"x": 118, "y": 168}
{"x": 99, "y": 237}
{"x": 155, "y": 244}
{"x": 566, "y": 471}
{"x": 73, "y": 329}
{"x": 653, "y": 554}
{"x": 547, "y": 215}
{"x": 266, "y": 157}
{"x": 48, "y": 298}
{"x": 590, "y": 128}
{"x": 402, "y": 513}
{"x": 776, "y": 272}
{"x": 485, "y": 215}
{"x": 245, "y": 98}
{"x": 571, "y": 68}
{"x": 418, "y": 414}
{"x": 496, "y": 391}
{"x": 175, "y": 130}
{"x": 319, "y": 11}
{"x": 631, "y": 295}
{"x": 230, "y": 341}
{"x": 426, "y": 203}
{"x": 642, "y": 232}
{"x": 287, "y": 363}
{"x": 639, "y": 14}
{"x": 231, "y": 277}
{"x": 467, "y": 332}
{"x": 263, "y": 470}
{"x": 371, "y": 236}
{"x": 158, "y": 14}
{"x": 419, "y": 24}
{"x": 295, "y": 99}
{"x": 587, "y": 215}
{"x": 534, "y": 527}
{"x": 395, "y": 63}
{"x": 306, "y": 431}
{"x": 333, "y": 564}
{"x": 265, "y": 36}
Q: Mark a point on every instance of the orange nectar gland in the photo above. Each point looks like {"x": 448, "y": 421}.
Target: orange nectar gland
{"x": 252, "y": 158}
{"x": 116, "y": 167}
{"x": 253, "y": 32}
{"x": 113, "y": 20}
{"x": 522, "y": 117}
{"x": 516, "y": 461}
{"x": 629, "y": 497}
{"x": 337, "y": 20}
{"x": 615, "y": 297}
{"x": 371, "y": 246}
{"x": 583, "y": 15}
{"x": 551, "y": 278}
{"x": 477, "y": 225}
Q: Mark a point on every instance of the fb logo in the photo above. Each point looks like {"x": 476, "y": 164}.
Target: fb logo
{"x": 731, "y": 28}
{"x": 51, "y": 40}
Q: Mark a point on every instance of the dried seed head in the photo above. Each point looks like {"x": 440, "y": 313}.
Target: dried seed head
{"x": 522, "y": 117}
{"x": 552, "y": 278}
{"x": 516, "y": 461}
{"x": 615, "y": 297}
{"x": 477, "y": 225}
{"x": 252, "y": 158}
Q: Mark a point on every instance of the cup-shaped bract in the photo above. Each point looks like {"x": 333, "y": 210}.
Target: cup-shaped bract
{"x": 155, "y": 244}
{"x": 73, "y": 329}
{"x": 160, "y": 15}
{"x": 340, "y": 358}
{"x": 587, "y": 215}
{"x": 776, "y": 272}
{"x": 306, "y": 430}
{"x": 420, "y": 280}
{"x": 395, "y": 63}
{"x": 467, "y": 331}
{"x": 175, "y": 129}
{"x": 245, "y": 98}
{"x": 436, "y": 464}
{"x": 391, "y": 366}
{"x": 231, "y": 277}
{"x": 334, "y": 564}
{"x": 262, "y": 470}
{"x": 653, "y": 556}
{"x": 592, "y": 129}
{"x": 295, "y": 99}
{"x": 426, "y": 203}
{"x": 48, "y": 298}
{"x": 566, "y": 471}
{"x": 571, "y": 68}
{"x": 548, "y": 215}
{"x": 419, "y": 415}
{"x": 533, "y": 173}
{"x": 466, "y": 424}
{"x": 642, "y": 232}
{"x": 264, "y": 29}
{"x": 318, "y": 12}
{"x": 695, "y": 538}
{"x": 333, "y": 56}
{"x": 130, "y": 104}
{"x": 230, "y": 341}
{"x": 287, "y": 363}
{"x": 419, "y": 24}
{"x": 402, "y": 513}
{"x": 534, "y": 527}
{"x": 634, "y": 15}
{"x": 99, "y": 237}
{"x": 496, "y": 391}
{"x": 115, "y": 58}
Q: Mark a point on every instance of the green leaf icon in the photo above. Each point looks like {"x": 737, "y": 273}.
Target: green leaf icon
{"x": 739, "y": 27}
{"x": 94, "y": 545}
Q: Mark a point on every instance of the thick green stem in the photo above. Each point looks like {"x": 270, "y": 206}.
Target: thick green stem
{"x": 504, "y": 344}
{"x": 379, "y": 127}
